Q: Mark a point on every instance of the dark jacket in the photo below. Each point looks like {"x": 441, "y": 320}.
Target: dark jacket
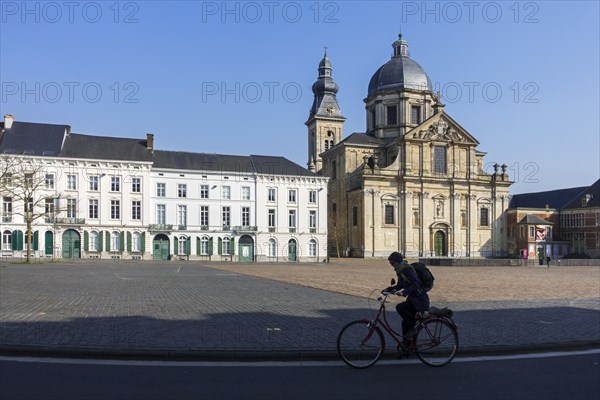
{"x": 409, "y": 282}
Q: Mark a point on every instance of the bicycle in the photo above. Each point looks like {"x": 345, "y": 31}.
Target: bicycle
{"x": 361, "y": 343}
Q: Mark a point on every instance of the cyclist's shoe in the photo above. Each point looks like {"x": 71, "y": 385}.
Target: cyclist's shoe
{"x": 410, "y": 334}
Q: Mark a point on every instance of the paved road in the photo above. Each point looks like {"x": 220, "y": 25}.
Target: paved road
{"x": 187, "y": 310}
{"x": 543, "y": 377}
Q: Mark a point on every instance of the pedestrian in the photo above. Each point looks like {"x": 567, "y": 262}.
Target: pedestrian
{"x": 548, "y": 261}
{"x": 408, "y": 286}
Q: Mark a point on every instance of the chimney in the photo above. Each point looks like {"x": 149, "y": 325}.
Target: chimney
{"x": 150, "y": 141}
{"x": 8, "y": 121}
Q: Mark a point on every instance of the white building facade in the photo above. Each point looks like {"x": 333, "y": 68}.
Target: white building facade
{"x": 120, "y": 198}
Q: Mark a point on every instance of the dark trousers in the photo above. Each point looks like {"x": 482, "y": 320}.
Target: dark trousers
{"x": 407, "y": 311}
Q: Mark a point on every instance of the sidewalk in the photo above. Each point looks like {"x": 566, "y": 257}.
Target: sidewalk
{"x": 182, "y": 310}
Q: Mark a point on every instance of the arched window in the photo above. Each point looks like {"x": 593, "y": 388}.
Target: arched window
{"x": 136, "y": 241}
{"x": 6, "y": 240}
{"x": 272, "y": 248}
{"x": 226, "y": 245}
{"x": 181, "y": 245}
{"x": 312, "y": 248}
{"x": 326, "y": 144}
{"x": 204, "y": 245}
{"x": 93, "y": 243}
{"x": 115, "y": 241}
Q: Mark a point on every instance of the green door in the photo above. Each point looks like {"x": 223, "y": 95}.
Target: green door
{"x": 71, "y": 244}
{"x": 49, "y": 243}
{"x": 246, "y": 249}
{"x": 292, "y": 250}
{"x": 439, "y": 244}
{"x": 160, "y": 248}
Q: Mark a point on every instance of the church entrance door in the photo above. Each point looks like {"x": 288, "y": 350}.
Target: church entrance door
{"x": 439, "y": 244}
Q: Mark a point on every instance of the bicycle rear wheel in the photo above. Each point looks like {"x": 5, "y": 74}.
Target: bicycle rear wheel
{"x": 436, "y": 342}
{"x": 360, "y": 344}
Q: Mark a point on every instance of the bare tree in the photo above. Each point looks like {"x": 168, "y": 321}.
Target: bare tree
{"x": 22, "y": 180}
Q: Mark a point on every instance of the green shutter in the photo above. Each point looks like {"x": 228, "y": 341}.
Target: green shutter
{"x": 232, "y": 246}
{"x": 36, "y": 239}
{"x": 220, "y": 247}
{"x": 86, "y": 241}
{"x": 107, "y": 241}
{"x": 210, "y": 246}
{"x": 188, "y": 246}
{"x": 122, "y": 242}
{"x": 129, "y": 242}
{"x": 15, "y": 239}
{"x": 19, "y": 240}
{"x": 143, "y": 244}
{"x": 176, "y": 248}
{"x": 197, "y": 246}
{"x": 100, "y": 242}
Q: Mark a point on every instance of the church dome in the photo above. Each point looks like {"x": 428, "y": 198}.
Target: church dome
{"x": 401, "y": 72}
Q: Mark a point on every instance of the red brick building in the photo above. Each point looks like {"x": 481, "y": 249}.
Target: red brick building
{"x": 555, "y": 223}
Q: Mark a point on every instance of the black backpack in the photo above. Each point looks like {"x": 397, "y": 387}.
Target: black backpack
{"x": 424, "y": 274}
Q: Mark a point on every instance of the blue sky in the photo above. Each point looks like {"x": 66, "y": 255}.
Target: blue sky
{"x": 235, "y": 77}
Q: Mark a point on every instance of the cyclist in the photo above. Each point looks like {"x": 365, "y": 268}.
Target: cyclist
{"x": 409, "y": 287}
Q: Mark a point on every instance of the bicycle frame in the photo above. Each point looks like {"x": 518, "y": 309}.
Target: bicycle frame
{"x": 381, "y": 320}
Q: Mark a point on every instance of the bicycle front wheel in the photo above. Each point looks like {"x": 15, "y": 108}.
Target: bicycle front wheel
{"x": 436, "y": 342}
{"x": 360, "y": 344}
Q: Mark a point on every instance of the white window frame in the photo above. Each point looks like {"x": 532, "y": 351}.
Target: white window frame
{"x": 136, "y": 210}
{"x": 71, "y": 182}
{"x": 71, "y": 208}
{"x": 182, "y": 190}
{"x": 204, "y": 192}
{"x": 292, "y": 218}
{"x": 136, "y": 242}
{"x": 94, "y": 183}
{"x": 182, "y": 215}
{"x": 115, "y": 241}
{"x": 115, "y": 183}
{"x": 115, "y": 209}
{"x": 136, "y": 185}
{"x": 49, "y": 181}
{"x": 226, "y": 192}
{"x": 312, "y": 248}
{"x": 93, "y": 241}
{"x": 292, "y": 196}
{"x": 272, "y": 248}
{"x": 245, "y": 192}
{"x": 204, "y": 215}
{"x": 161, "y": 189}
{"x": 161, "y": 214}
{"x": 93, "y": 205}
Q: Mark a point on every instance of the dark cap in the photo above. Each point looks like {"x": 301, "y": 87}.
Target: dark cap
{"x": 395, "y": 257}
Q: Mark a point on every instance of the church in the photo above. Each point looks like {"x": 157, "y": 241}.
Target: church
{"x": 414, "y": 181}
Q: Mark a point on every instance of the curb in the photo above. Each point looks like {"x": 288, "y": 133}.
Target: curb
{"x": 225, "y": 355}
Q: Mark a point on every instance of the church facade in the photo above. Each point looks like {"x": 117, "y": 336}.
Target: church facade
{"x": 414, "y": 182}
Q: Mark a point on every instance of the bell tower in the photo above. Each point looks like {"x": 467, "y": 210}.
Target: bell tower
{"x": 325, "y": 122}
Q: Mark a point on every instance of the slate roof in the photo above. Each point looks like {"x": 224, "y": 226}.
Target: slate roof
{"x": 594, "y": 190}
{"x": 201, "y": 161}
{"x": 278, "y": 166}
{"x": 228, "y": 163}
{"x": 556, "y": 199}
{"x": 532, "y": 219}
{"x": 105, "y": 148}
{"x": 363, "y": 139}
{"x": 33, "y": 139}
{"x": 47, "y": 140}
